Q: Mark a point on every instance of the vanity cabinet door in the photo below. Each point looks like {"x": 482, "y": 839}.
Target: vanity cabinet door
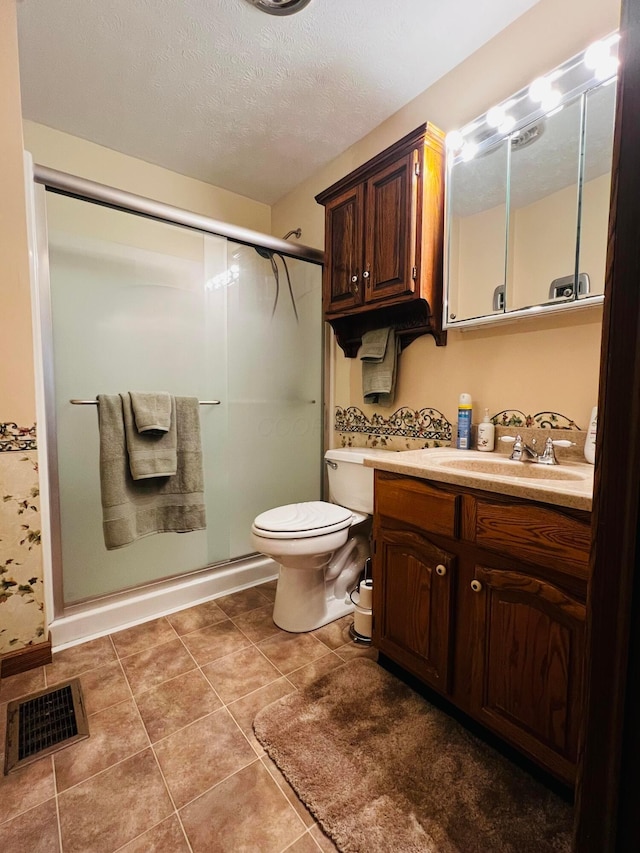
{"x": 413, "y": 597}
{"x": 343, "y": 285}
{"x": 528, "y": 663}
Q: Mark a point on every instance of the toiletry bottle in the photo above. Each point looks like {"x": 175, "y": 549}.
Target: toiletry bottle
{"x": 464, "y": 422}
{"x": 486, "y": 433}
{"x": 590, "y": 440}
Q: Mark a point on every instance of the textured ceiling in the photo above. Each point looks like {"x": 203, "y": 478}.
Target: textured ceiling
{"x": 217, "y": 90}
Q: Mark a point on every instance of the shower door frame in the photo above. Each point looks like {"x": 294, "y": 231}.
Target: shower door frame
{"x": 46, "y": 179}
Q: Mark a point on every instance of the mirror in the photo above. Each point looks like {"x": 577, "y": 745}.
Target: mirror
{"x": 528, "y": 189}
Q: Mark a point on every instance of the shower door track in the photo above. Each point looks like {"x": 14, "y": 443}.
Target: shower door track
{"x": 86, "y": 190}
{"x": 83, "y": 189}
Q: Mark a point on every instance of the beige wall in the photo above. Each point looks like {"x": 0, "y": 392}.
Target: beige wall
{"x": 22, "y": 600}
{"x": 87, "y": 160}
{"x": 534, "y": 365}
{"x": 17, "y": 400}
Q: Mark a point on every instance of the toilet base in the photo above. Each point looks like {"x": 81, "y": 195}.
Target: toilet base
{"x": 301, "y": 603}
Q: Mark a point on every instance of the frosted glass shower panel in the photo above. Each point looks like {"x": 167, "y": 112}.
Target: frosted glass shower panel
{"x": 275, "y": 385}
{"x": 131, "y": 311}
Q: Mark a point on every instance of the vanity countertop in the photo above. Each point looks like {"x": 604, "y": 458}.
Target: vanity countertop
{"x": 568, "y": 484}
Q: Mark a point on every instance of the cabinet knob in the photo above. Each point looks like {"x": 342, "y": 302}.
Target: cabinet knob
{"x": 365, "y": 274}
{"x": 354, "y": 279}
{"x": 441, "y": 570}
{"x": 476, "y": 586}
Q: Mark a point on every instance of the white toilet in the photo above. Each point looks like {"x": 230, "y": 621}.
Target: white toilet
{"x": 321, "y": 547}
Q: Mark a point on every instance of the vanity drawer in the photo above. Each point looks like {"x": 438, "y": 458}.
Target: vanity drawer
{"x": 536, "y": 534}
{"x": 416, "y": 503}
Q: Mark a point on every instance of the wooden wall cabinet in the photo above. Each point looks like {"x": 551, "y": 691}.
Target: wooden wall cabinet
{"x": 384, "y": 226}
{"x": 483, "y": 599}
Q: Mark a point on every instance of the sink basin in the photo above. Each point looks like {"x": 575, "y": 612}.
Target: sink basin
{"x": 509, "y": 468}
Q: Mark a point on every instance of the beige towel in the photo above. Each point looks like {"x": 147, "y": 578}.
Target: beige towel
{"x": 151, "y": 454}
{"x": 132, "y": 508}
{"x": 152, "y": 412}
{"x": 379, "y": 373}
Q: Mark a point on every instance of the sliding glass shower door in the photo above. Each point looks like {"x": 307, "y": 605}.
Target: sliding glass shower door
{"x": 143, "y": 305}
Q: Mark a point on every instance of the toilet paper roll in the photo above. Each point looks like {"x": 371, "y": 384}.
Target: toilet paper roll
{"x": 366, "y": 594}
{"x": 362, "y": 620}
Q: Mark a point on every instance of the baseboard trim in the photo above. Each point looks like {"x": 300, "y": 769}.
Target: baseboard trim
{"x": 21, "y": 660}
{"x": 124, "y": 610}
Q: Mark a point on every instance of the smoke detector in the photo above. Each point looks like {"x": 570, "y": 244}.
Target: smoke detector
{"x": 279, "y": 7}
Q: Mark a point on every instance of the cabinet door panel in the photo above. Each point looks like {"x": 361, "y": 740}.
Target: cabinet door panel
{"x": 390, "y": 242}
{"x": 412, "y": 605}
{"x": 344, "y": 240}
{"x": 527, "y": 682}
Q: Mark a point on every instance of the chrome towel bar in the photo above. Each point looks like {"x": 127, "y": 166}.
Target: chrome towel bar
{"x": 95, "y": 402}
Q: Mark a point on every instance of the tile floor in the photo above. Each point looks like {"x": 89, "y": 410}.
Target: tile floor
{"x": 172, "y": 764}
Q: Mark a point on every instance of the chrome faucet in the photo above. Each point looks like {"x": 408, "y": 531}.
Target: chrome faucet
{"x": 522, "y": 452}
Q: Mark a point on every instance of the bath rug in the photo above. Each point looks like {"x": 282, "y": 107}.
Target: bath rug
{"x": 385, "y": 771}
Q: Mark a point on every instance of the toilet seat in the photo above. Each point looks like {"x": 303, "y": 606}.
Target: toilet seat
{"x": 302, "y": 520}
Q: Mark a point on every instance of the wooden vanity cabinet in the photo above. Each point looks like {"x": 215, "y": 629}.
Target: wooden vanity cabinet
{"x": 383, "y": 243}
{"x": 482, "y": 597}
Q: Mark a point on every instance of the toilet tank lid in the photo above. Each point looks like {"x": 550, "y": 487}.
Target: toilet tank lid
{"x": 356, "y": 455}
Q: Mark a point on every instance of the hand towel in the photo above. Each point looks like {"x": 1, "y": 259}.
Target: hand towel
{"x": 132, "y": 508}
{"x": 152, "y": 412}
{"x": 374, "y": 344}
{"x": 151, "y": 454}
{"x": 379, "y": 374}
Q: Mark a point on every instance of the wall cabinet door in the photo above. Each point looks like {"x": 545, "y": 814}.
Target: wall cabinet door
{"x": 528, "y": 661}
{"x": 414, "y": 582}
{"x": 390, "y": 265}
{"x": 343, "y": 286}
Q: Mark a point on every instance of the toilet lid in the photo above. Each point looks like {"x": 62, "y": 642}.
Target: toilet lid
{"x": 312, "y": 518}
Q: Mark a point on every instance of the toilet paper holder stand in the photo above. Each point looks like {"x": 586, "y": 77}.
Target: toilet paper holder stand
{"x": 363, "y": 614}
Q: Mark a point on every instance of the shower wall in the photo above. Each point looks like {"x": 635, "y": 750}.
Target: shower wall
{"x": 139, "y": 304}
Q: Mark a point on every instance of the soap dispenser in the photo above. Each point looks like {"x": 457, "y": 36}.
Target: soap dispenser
{"x": 486, "y": 433}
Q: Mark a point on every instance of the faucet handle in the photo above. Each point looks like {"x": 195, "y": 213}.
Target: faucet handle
{"x": 510, "y": 439}
{"x": 562, "y": 442}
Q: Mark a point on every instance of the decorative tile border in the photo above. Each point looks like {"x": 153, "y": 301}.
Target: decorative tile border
{"x": 543, "y": 420}
{"x": 410, "y": 429}
{"x": 13, "y": 437}
{"x": 405, "y": 428}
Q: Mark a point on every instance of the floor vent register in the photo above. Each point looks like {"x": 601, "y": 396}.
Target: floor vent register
{"x": 44, "y": 722}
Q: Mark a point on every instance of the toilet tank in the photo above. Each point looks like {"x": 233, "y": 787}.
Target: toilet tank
{"x": 350, "y": 482}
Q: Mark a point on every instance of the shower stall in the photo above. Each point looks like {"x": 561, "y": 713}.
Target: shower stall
{"x": 136, "y": 295}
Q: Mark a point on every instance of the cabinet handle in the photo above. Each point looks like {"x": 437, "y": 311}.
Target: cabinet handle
{"x": 476, "y": 586}
{"x": 441, "y": 570}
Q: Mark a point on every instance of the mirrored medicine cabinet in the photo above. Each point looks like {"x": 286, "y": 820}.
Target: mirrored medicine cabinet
{"x": 527, "y": 201}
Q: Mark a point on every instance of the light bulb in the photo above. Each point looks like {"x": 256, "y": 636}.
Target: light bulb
{"x": 596, "y": 54}
{"x": 495, "y": 116}
{"x": 469, "y": 151}
{"x": 507, "y": 124}
{"x": 539, "y": 89}
{"x": 551, "y": 100}
{"x": 454, "y": 140}
{"x": 606, "y": 68}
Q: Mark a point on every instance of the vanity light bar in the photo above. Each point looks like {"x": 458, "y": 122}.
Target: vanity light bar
{"x": 595, "y": 65}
